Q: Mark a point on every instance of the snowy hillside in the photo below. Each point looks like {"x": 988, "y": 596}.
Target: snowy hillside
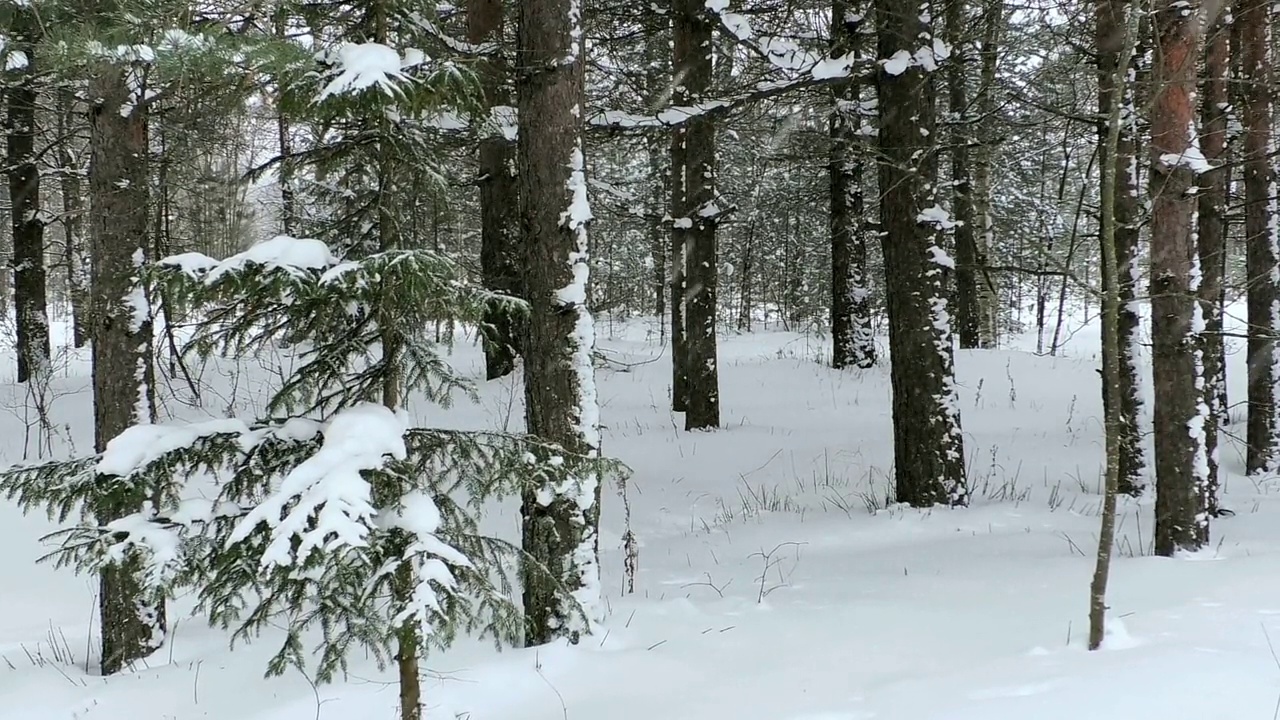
{"x": 774, "y": 582}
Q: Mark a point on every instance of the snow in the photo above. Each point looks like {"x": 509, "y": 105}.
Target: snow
{"x": 966, "y": 614}
{"x": 280, "y": 253}
{"x": 325, "y": 501}
{"x": 366, "y": 65}
{"x": 143, "y": 444}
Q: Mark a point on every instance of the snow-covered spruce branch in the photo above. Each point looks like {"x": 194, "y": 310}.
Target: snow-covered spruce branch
{"x": 297, "y": 288}
{"x": 302, "y": 523}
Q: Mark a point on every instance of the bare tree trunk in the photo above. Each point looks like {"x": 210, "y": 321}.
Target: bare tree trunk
{"x": 968, "y": 314}
{"x": 24, "y": 196}
{"x": 693, "y": 45}
{"x": 679, "y": 353}
{"x": 1115, "y": 36}
{"x": 658, "y": 85}
{"x": 1261, "y": 238}
{"x": 132, "y": 617}
{"x": 986, "y": 286}
{"x": 1111, "y": 21}
{"x": 1212, "y": 242}
{"x": 284, "y": 138}
{"x": 560, "y": 525}
{"x": 928, "y": 446}
{"x": 1180, "y": 413}
{"x": 852, "y": 341}
{"x": 71, "y": 168}
{"x": 499, "y": 246}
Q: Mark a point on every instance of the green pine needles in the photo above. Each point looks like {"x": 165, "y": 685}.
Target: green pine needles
{"x": 335, "y": 519}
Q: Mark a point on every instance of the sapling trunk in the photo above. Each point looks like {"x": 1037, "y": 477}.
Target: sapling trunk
{"x": 1110, "y": 348}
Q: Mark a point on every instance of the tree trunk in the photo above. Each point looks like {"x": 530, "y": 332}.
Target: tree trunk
{"x": 132, "y": 618}
{"x": 968, "y": 314}
{"x": 560, "y": 524}
{"x": 499, "y": 246}
{"x": 1261, "y": 241}
{"x": 284, "y": 138}
{"x": 698, "y": 216}
{"x": 852, "y": 341}
{"x": 1180, "y": 414}
{"x": 658, "y": 88}
{"x": 70, "y": 172}
{"x": 24, "y": 195}
{"x": 928, "y": 446}
{"x": 1212, "y": 242}
{"x": 987, "y": 304}
{"x": 679, "y": 353}
{"x": 1111, "y": 21}
{"x": 1115, "y": 38}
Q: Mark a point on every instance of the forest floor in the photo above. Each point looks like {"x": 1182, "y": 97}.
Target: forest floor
{"x": 774, "y": 583}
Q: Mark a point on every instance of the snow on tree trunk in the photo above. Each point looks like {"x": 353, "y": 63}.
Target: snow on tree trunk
{"x": 699, "y": 214}
{"x": 560, "y": 521}
{"x": 1112, "y": 17}
{"x": 1212, "y": 245}
{"x": 928, "y": 446}
{"x": 1262, "y": 253}
{"x": 852, "y": 341}
{"x": 24, "y": 192}
{"x": 132, "y": 620}
{"x": 1176, "y": 324}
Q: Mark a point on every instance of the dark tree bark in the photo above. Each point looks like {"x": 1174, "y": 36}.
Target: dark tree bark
{"x": 658, "y": 87}
{"x": 284, "y": 138}
{"x": 1181, "y": 463}
{"x": 968, "y": 311}
{"x": 499, "y": 244}
{"x": 676, "y": 258}
{"x": 1212, "y": 242}
{"x": 1111, "y": 18}
{"x": 928, "y": 446}
{"x": 692, "y": 36}
{"x": 852, "y": 341}
{"x": 24, "y": 194}
{"x": 560, "y": 527}
{"x": 1261, "y": 242}
{"x": 132, "y": 618}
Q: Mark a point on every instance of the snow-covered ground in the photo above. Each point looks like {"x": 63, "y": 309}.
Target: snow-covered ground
{"x": 774, "y": 582}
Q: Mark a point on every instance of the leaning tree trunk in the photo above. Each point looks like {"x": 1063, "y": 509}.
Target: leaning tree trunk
{"x": 1261, "y": 237}
{"x": 499, "y": 244}
{"x": 132, "y": 617}
{"x": 852, "y": 340}
{"x": 928, "y": 446}
{"x": 1180, "y": 413}
{"x": 1111, "y": 20}
{"x": 1212, "y": 242}
{"x": 698, "y": 215}
{"x": 24, "y": 195}
{"x": 560, "y": 522}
